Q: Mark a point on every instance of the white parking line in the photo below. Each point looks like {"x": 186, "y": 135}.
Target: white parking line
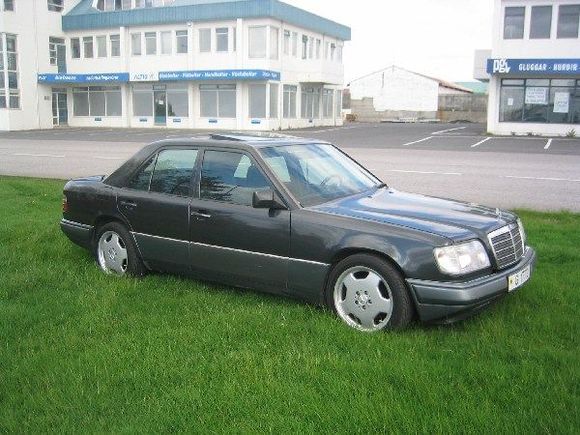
{"x": 480, "y": 142}
{"x": 548, "y": 144}
{"x": 38, "y": 155}
{"x": 448, "y": 130}
{"x": 424, "y": 172}
{"x": 541, "y": 178}
{"x": 417, "y": 141}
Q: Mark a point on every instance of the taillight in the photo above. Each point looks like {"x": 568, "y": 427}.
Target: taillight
{"x": 64, "y": 205}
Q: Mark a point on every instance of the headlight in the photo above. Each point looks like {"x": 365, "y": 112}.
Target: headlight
{"x": 462, "y": 259}
{"x": 522, "y": 232}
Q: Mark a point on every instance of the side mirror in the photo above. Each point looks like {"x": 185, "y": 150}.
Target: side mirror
{"x": 267, "y": 198}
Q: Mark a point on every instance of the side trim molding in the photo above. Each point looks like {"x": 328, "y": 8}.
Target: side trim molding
{"x": 76, "y": 224}
{"x": 242, "y": 251}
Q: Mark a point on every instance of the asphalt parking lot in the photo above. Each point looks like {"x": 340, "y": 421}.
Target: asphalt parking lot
{"x": 449, "y": 160}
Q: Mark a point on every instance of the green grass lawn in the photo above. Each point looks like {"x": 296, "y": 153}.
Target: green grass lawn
{"x": 81, "y": 351}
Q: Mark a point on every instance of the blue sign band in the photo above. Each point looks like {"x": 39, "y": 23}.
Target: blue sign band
{"x": 533, "y": 66}
{"x": 209, "y": 75}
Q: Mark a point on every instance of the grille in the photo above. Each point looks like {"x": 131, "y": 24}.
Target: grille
{"x": 507, "y": 245}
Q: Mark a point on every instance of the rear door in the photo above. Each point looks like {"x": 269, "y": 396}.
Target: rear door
{"x": 231, "y": 241}
{"x": 156, "y": 203}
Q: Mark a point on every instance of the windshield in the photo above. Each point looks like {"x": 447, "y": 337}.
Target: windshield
{"x": 317, "y": 173}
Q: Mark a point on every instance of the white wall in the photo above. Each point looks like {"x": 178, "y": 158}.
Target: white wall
{"x": 397, "y": 89}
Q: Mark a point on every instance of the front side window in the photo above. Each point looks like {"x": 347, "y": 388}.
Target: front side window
{"x": 75, "y": 48}
{"x": 165, "y": 42}
{"x": 513, "y": 26}
{"x": 222, "y": 38}
{"x": 317, "y": 173}
{"x": 101, "y": 46}
{"x": 568, "y": 19}
{"x": 541, "y": 24}
{"x": 136, "y": 44}
{"x": 204, "y": 40}
{"x": 150, "y": 43}
{"x": 181, "y": 41}
{"x": 173, "y": 172}
{"x": 88, "y": 47}
{"x": 217, "y": 101}
{"x": 257, "y": 101}
{"x": 257, "y": 42}
{"x": 230, "y": 177}
{"x": 115, "y": 45}
{"x": 55, "y": 5}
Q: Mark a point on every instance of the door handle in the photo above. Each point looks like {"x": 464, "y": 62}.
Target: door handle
{"x": 200, "y": 214}
{"x": 128, "y": 204}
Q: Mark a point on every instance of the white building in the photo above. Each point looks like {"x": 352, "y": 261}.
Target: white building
{"x": 219, "y": 64}
{"x": 399, "y": 92}
{"x": 533, "y": 68}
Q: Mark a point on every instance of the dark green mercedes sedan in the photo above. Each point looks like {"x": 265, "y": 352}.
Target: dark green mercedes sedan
{"x": 298, "y": 218}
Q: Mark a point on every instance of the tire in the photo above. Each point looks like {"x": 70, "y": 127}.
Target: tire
{"x": 115, "y": 251}
{"x": 369, "y": 294}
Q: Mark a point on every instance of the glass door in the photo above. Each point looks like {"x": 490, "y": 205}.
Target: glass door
{"x": 59, "y": 107}
{"x": 160, "y": 106}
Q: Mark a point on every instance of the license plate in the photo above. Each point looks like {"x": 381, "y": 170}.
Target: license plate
{"x": 518, "y": 279}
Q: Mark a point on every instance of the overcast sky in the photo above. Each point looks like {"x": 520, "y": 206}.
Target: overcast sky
{"x": 433, "y": 37}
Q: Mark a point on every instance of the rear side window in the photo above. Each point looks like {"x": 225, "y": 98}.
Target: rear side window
{"x": 230, "y": 177}
{"x": 173, "y": 172}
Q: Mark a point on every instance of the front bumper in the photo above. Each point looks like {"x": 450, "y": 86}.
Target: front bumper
{"x": 450, "y": 301}
{"x": 78, "y": 233}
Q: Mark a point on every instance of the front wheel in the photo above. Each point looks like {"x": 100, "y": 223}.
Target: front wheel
{"x": 116, "y": 252}
{"x": 369, "y": 294}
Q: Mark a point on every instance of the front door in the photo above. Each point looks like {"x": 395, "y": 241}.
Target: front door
{"x": 160, "y": 103}
{"x": 59, "y": 107}
{"x": 156, "y": 204}
{"x": 231, "y": 241}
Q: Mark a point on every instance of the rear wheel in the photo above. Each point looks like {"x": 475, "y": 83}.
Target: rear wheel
{"x": 369, "y": 294}
{"x": 116, "y": 252}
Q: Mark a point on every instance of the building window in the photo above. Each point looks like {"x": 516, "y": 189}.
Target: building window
{"x": 339, "y": 53}
{"x": 115, "y": 45}
{"x": 217, "y": 101}
{"x": 289, "y": 101}
{"x": 222, "y": 39}
{"x": 310, "y": 47}
{"x": 97, "y": 101}
{"x": 9, "y": 5}
{"x": 181, "y": 45}
{"x": 53, "y": 44}
{"x": 568, "y": 19}
{"x": 338, "y": 101}
{"x": 555, "y": 101}
{"x": 327, "y": 51}
{"x": 88, "y": 46}
{"x": 75, "y": 48}
{"x": 327, "y": 103}
{"x": 286, "y": 43}
{"x": 150, "y": 43}
{"x": 257, "y": 42}
{"x": 274, "y": 42}
{"x": 165, "y": 38}
{"x": 257, "y": 101}
{"x": 541, "y": 24}
{"x": 332, "y": 51}
{"x": 101, "y": 46}
{"x": 304, "y": 46}
{"x": 274, "y": 88}
{"x": 295, "y": 44}
{"x": 55, "y": 5}
{"x": 310, "y": 103}
{"x": 136, "y": 44}
{"x": 513, "y": 26}
{"x": 318, "y": 46}
{"x": 9, "y": 86}
{"x": 204, "y": 40}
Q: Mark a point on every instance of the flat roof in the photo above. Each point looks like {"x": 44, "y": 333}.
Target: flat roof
{"x": 84, "y": 16}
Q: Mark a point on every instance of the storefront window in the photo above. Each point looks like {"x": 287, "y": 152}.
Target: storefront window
{"x": 327, "y": 105}
{"x": 274, "y": 88}
{"x": 257, "y": 101}
{"x": 310, "y": 103}
{"x": 289, "y": 101}
{"x": 555, "y": 101}
{"x": 97, "y": 101}
{"x": 177, "y": 101}
{"x": 217, "y": 101}
{"x": 142, "y": 100}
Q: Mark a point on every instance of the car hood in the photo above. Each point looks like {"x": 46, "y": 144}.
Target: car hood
{"x": 448, "y": 218}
